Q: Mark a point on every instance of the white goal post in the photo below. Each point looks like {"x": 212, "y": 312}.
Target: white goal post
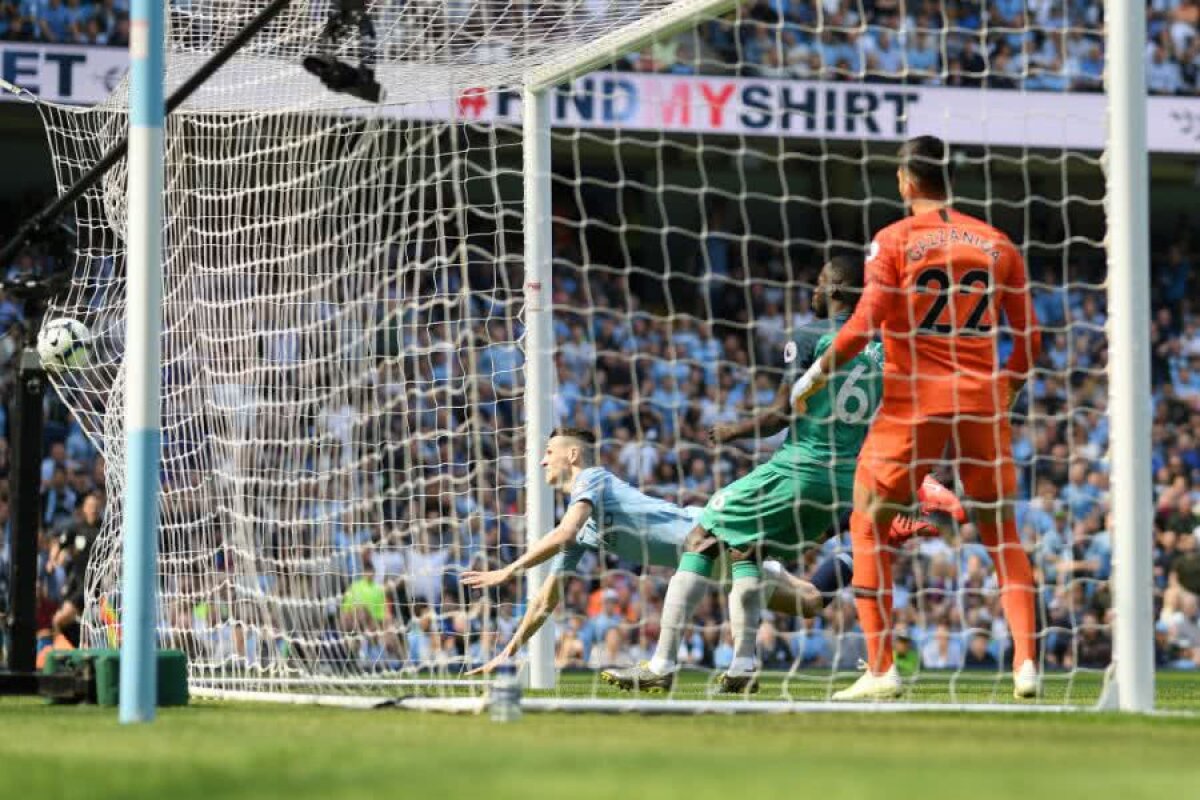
{"x": 374, "y": 315}
{"x": 539, "y": 278}
{"x": 1129, "y": 380}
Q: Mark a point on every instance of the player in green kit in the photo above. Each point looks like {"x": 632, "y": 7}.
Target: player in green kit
{"x": 795, "y": 497}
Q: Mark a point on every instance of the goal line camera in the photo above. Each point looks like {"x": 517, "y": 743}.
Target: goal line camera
{"x": 349, "y": 16}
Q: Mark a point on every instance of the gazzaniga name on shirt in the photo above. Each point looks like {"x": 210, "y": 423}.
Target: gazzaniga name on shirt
{"x": 943, "y": 237}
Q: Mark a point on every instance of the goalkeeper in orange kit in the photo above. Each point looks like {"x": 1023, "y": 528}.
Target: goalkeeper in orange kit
{"x": 938, "y": 284}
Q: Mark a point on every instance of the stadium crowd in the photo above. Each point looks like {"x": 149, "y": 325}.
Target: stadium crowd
{"x": 650, "y": 384}
{"x": 1037, "y": 45}
{"x": 652, "y": 415}
{"x": 87, "y": 22}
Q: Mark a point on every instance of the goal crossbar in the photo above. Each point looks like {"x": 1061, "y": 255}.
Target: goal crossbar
{"x": 676, "y": 17}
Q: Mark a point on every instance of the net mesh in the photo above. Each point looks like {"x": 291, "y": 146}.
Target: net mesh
{"x": 343, "y": 338}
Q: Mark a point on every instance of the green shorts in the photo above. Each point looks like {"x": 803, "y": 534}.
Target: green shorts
{"x": 777, "y": 509}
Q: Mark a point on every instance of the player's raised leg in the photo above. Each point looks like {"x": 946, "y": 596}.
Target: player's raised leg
{"x": 832, "y": 576}
{"x": 938, "y": 507}
{"x": 784, "y": 593}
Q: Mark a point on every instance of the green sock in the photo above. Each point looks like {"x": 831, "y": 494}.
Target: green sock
{"x": 696, "y": 564}
{"x": 746, "y": 569}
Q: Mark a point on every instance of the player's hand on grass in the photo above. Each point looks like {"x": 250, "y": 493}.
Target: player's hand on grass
{"x": 490, "y": 666}
{"x": 721, "y": 433}
{"x": 487, "y": 579}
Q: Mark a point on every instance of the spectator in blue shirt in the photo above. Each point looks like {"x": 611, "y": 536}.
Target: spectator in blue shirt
{"x": 1006, "y": 14}
{"x": 829, "y": 48}
{"x": 1050, "y": 301}
{"x": 31, "y": 9}
{"x": 670, "y": 365}
{"x": 1033, "y": 521}
{"x": 813, "y": 645}
{"x": 78, "y": 14}
{"x": 55, "y": 22}
{"x": 10, "y": 312}
{"x": 970, "y": 547}
{"x": 1049, "y": 550}
{"x": 1058, "y": 353}
{"x": 943, "y": 650}
{"x": 568, "y": 393}
{"x": 577, "y": 351}
{"x": 91, "y": 33}
{"x": 1088, "y": 72}
{"x": 1079, "y": 494}
{"x": 669, "y": 401}
{"x": 612, "y": 411}
{"x": 888, "y": 55}
{"x": 1099, "y": 549}
{"x": 1185, "y": 378}
{"x": 709, "y": 353}
{"x": 923, "y": 57}
{"x": 502, "y": 359}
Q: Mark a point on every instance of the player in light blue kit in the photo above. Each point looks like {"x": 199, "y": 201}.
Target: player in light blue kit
{"x": 606, "y": 513}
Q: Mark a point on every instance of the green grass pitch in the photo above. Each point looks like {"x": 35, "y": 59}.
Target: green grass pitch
{"x": 242, "y": 750}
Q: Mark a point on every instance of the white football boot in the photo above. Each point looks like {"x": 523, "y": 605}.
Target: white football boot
{"x": 870, "y": 686}
{"x": 1027, "y": 683}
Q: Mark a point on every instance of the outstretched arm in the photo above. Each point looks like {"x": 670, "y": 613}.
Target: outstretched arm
{"x": 545, "y": 549}
{"x": 849, "y": 342}
{"x": 536, "y": 614}
{"x": 881, "y": 285}
{"x": 767, "y": 422}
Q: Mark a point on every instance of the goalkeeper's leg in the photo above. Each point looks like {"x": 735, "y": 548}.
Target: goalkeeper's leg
{"x": 988, "y": 475}
{"x": 873, "y": 583}
{"x": 1016, "y": 595}
{"x": 894, "y": 460}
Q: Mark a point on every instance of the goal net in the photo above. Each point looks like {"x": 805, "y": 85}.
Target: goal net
{"x": 344, "y": 332}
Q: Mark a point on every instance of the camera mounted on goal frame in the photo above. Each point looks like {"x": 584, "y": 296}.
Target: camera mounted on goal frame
{"x": 349, "y": 16}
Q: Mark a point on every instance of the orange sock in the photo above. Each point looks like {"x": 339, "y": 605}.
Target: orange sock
{"x": 1016, "y": 587}
{"x": 872, "y": 591}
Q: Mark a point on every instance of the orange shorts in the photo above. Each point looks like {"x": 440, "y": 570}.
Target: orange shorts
{"x": 900, "y": 451}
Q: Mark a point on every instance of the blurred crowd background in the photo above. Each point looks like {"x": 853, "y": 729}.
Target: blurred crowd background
{"x": 1035, "y": 45}
{"x": 650, "y": 373}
